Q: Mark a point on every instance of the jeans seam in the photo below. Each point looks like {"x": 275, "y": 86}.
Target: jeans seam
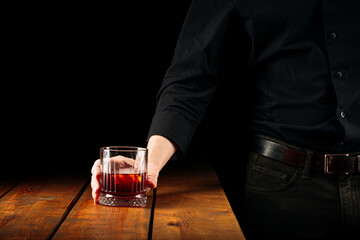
{"x": 290, "y": 184}
{"x": 270, "y": 173}
{"x": 293, "y": 180}
{"x": 342, "y": 204}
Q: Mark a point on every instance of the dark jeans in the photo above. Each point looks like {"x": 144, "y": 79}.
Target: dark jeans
{"x": 281, "y": 203}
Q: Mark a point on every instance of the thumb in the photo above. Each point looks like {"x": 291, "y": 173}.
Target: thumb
{"x": 152, "y": 177}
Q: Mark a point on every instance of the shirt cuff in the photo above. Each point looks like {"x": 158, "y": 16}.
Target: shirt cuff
{"x": 175, "y": 127}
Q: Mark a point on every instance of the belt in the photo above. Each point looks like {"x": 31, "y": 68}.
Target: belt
{"x": 329, "y": 163}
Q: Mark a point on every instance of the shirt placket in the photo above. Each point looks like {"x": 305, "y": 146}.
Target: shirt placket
{"x": 333, "y": 12}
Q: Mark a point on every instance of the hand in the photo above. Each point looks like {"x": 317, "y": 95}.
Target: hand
{"x": 152, "y": 176}
{"x": 160, "y": 151}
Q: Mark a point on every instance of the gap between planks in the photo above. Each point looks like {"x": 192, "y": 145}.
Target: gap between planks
{"x": 68, "y": 209}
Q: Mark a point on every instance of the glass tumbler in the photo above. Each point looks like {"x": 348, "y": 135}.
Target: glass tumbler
{"x": 123, "y": 176}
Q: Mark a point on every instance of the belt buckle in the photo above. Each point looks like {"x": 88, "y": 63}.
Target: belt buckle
{"x": 333, "y": 159}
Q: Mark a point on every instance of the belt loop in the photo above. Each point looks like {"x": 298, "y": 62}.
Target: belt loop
{"x": 307, "y": 167}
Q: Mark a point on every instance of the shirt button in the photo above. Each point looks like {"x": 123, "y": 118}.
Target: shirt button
{"x": 332, "y": 35}
{"x": 339, "y": 75}
{"x": 342, "y": 115}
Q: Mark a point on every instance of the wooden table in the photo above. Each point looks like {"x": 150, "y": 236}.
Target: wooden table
{"x": 189, "y": 203}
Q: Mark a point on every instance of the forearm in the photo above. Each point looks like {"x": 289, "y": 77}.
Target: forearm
{"x": 160, "y": 150}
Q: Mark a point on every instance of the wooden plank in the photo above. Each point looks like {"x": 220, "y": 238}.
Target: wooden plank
{"x": 36, "y": 207}
{"x": 6, "y": 185}
{"x": 93, "y": 221}
{"x": 190, "y": 204}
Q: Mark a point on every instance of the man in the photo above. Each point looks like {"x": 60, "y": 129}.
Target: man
{"x": 303, "y": 178}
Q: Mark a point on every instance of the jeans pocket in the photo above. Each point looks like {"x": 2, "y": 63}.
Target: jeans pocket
{"x": 266, "y": 175}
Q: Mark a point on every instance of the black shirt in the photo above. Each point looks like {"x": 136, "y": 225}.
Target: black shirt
{"x": 304, "y": 59}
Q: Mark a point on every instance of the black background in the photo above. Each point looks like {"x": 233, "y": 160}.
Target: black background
{"x": 80, "y": 77}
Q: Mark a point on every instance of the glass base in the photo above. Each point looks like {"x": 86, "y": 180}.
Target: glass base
{"x": 116, "y": 201}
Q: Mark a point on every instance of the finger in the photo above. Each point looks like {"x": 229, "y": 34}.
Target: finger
{"x": 95, "y": 185}
{"x": 96, "y": 167}
{"x": 152, "y": 180}
{"x": 123, "y": 162}
{"x": 95, "y": 196}
{"x": 153, "y": 174}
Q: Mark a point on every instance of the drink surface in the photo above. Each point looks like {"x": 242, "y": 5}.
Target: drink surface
{"x": 123, "y": 184}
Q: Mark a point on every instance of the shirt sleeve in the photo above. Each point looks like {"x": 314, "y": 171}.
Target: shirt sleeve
{"x": 191, "y": 79}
